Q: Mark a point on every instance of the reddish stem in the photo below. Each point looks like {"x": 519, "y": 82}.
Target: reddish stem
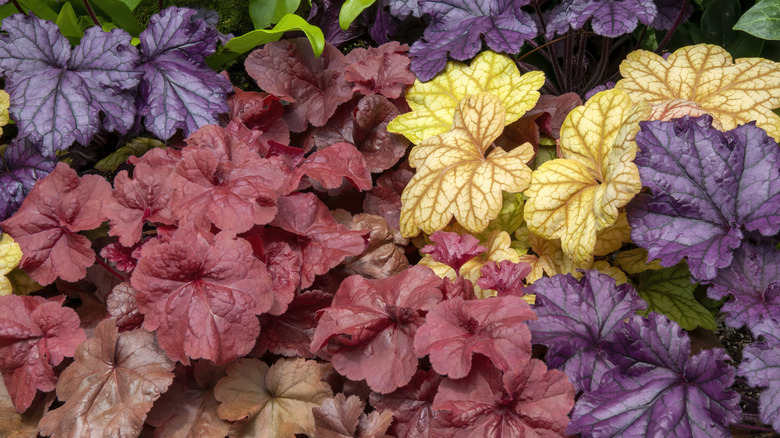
{"x": 19, "y": 7}
{"x": 674, "y": 27}
{"x": 108, "y": 268}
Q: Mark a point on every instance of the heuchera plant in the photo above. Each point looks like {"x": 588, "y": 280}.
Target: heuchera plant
{"x": 356, "y": 250}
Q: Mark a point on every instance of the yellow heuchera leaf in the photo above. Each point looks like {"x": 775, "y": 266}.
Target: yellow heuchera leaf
{"x": 605, "y": 268}
{"x": 433, "y": 103}
{"x": 613, "y": 237}
{"x": 550, "y": 259}
{"x": 454, "y": 178}
{"x": 5, "y": 103}
{"x": 734, "y": 93}
{"x": 575, "y": 197}
{"x": 10, "y": 255}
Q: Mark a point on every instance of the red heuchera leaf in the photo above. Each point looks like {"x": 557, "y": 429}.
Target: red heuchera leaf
{"x": 143, "y": 198}
{"x": 380, "y": 70}
{"x": 342, "y": 417}
{"x": 122, "y": 305}
{"x": 90, "y": 312}
{"x": 330, "y": 165}
{"x": 363, "y": 123}
{"x": 453, "y": 249}
{"x": 531, "y": 401}
{"x": 290, "y": 334}
{"x": 314, "y": 86}
{"x": 256, "y": 110}
{"x": 111, "y": 385}
{"x": 385, "y": 198}
{"x": 371, "y": 324}
{"x": 121, "y": 256}
{"x": 35, "y": 335}
{"x": 461, "y": 288}
{"x": 236, "y": 144}
{"x": 284, "y": 266}
{"x": 322, "y": 242}
{"x": 412, "y": 406}
{"x": 384, "y": 255}
{"x": 233, "y": 197}
{"x": 495, "y": 327}
{"x": 188, "y": 408}
{"x": 506, "y": 277}
{"x": 201, "y": 293}
{"x": 556, "y": 108}
{"x": 46, "y": 226}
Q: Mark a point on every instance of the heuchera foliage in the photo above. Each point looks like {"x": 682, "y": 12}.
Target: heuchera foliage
{"x": 700, "y": 208}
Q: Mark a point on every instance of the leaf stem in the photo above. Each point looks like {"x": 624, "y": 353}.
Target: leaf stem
{"x": 676, "y": 24}
{"x": 755, "y": 428}
{"x": 108, "y": 268}
{"x": 19, "y": 7}
{"x": 597, "y": 77}
{"x": 91, "y": 13}
{"x": 550, "y": 48}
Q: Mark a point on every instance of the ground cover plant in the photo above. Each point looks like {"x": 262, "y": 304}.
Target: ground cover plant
{"x": 422, "y": 219}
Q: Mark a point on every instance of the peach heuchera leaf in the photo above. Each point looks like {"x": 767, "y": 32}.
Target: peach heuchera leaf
{"x": 111, "y": 385}
{"x": 734, "y": 93}
{"x": 433, "y": 103}
{"x": 454, "y": 178}
{"x": 575, "y": 197}
{"x": 273, "y": 401}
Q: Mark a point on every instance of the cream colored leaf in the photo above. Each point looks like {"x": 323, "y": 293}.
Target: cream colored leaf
{"x": 455, "y": 179}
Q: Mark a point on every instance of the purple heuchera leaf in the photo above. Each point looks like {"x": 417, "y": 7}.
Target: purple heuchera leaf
{"x": 576, "y": 318}
{"x": 402, "y": 9}
{"x": 178, "y": 90}
{"x": 609, "y": 18}
{"x": 458, "y": 26}
{"x": 21, "y": 165}
{"x": 754, "y": 280}
{"x": 706, "y": 187}
{"x": 57, "y": 94}
{"x": 453, "y": 249}
{"x": 657, "y": 389}
{"x": 668, "y": 11}
{"x": 761, "y": 366}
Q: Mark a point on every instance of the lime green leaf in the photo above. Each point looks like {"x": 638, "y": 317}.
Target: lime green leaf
{"x": 454, "y": 178}
{"x": 350, "y": 11}
{"x": 634, "y": 261}
{"x": 669, "y": 291}
{"x": 433, "y": 103}
{"x": 5, "y": 103}
{"x": 137, "y": 146}
{"x": 762, "y": 20}
{"x": 131, "y": 4}
{"x": 120, "y": 14}
{"x": 68, "y": 23}
{"x": 244, "y": 43}
{"x": 40, "y": 8}
{"x": 267, "y": 12}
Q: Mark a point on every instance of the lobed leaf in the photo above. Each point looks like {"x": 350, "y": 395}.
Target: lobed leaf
{"x": 669, "y": 291}
{"x": 761, "y": 366}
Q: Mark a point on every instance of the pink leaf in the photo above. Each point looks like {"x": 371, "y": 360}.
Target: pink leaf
{"x": 453, "y": 249}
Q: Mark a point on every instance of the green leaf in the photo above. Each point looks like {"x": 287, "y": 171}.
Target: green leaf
{"x": 137, "y": 146}
{"x": 131, "y": 4}
{"x": 669, "y": 291}
{"x": 350, "y": 11}
{"x": 40, "y": 8}
{"x": 119, "y": 13}
{"x": 264, "y": 13}
{"x": 762, "y": 20}
{"x": 69, "y": 24}
{"x": 241, "y": 44}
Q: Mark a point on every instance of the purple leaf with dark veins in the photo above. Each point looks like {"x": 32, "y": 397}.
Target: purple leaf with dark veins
{"x": 57, "y": 94}
{"x": 576, "y": 318}
{"x": 611, "y": 18}
{"x": 21, "y": 166}
{"x": 178, "y": 90}
{"x": 657, "y": 389}
{"x": 458, "y": 28}
{"x": 753, "y": 279}
{"x": 707, "y": 186}
{"x": 761, "y": 366}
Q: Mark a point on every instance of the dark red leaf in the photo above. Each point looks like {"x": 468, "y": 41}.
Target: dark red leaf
{"x": 383, "y": 70}
{"x": 314, "y": 86}
{"x": 412, "y": 406}
{"x": 122, "y": 305}
{"x": 290, "y": 334}
{"x": 371, "y": 324}
{"x": 46, "y": 226}
{"x": 385, "y": 198}
{"x": 35, "y": 335}
{"x": 330, "y": 165}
